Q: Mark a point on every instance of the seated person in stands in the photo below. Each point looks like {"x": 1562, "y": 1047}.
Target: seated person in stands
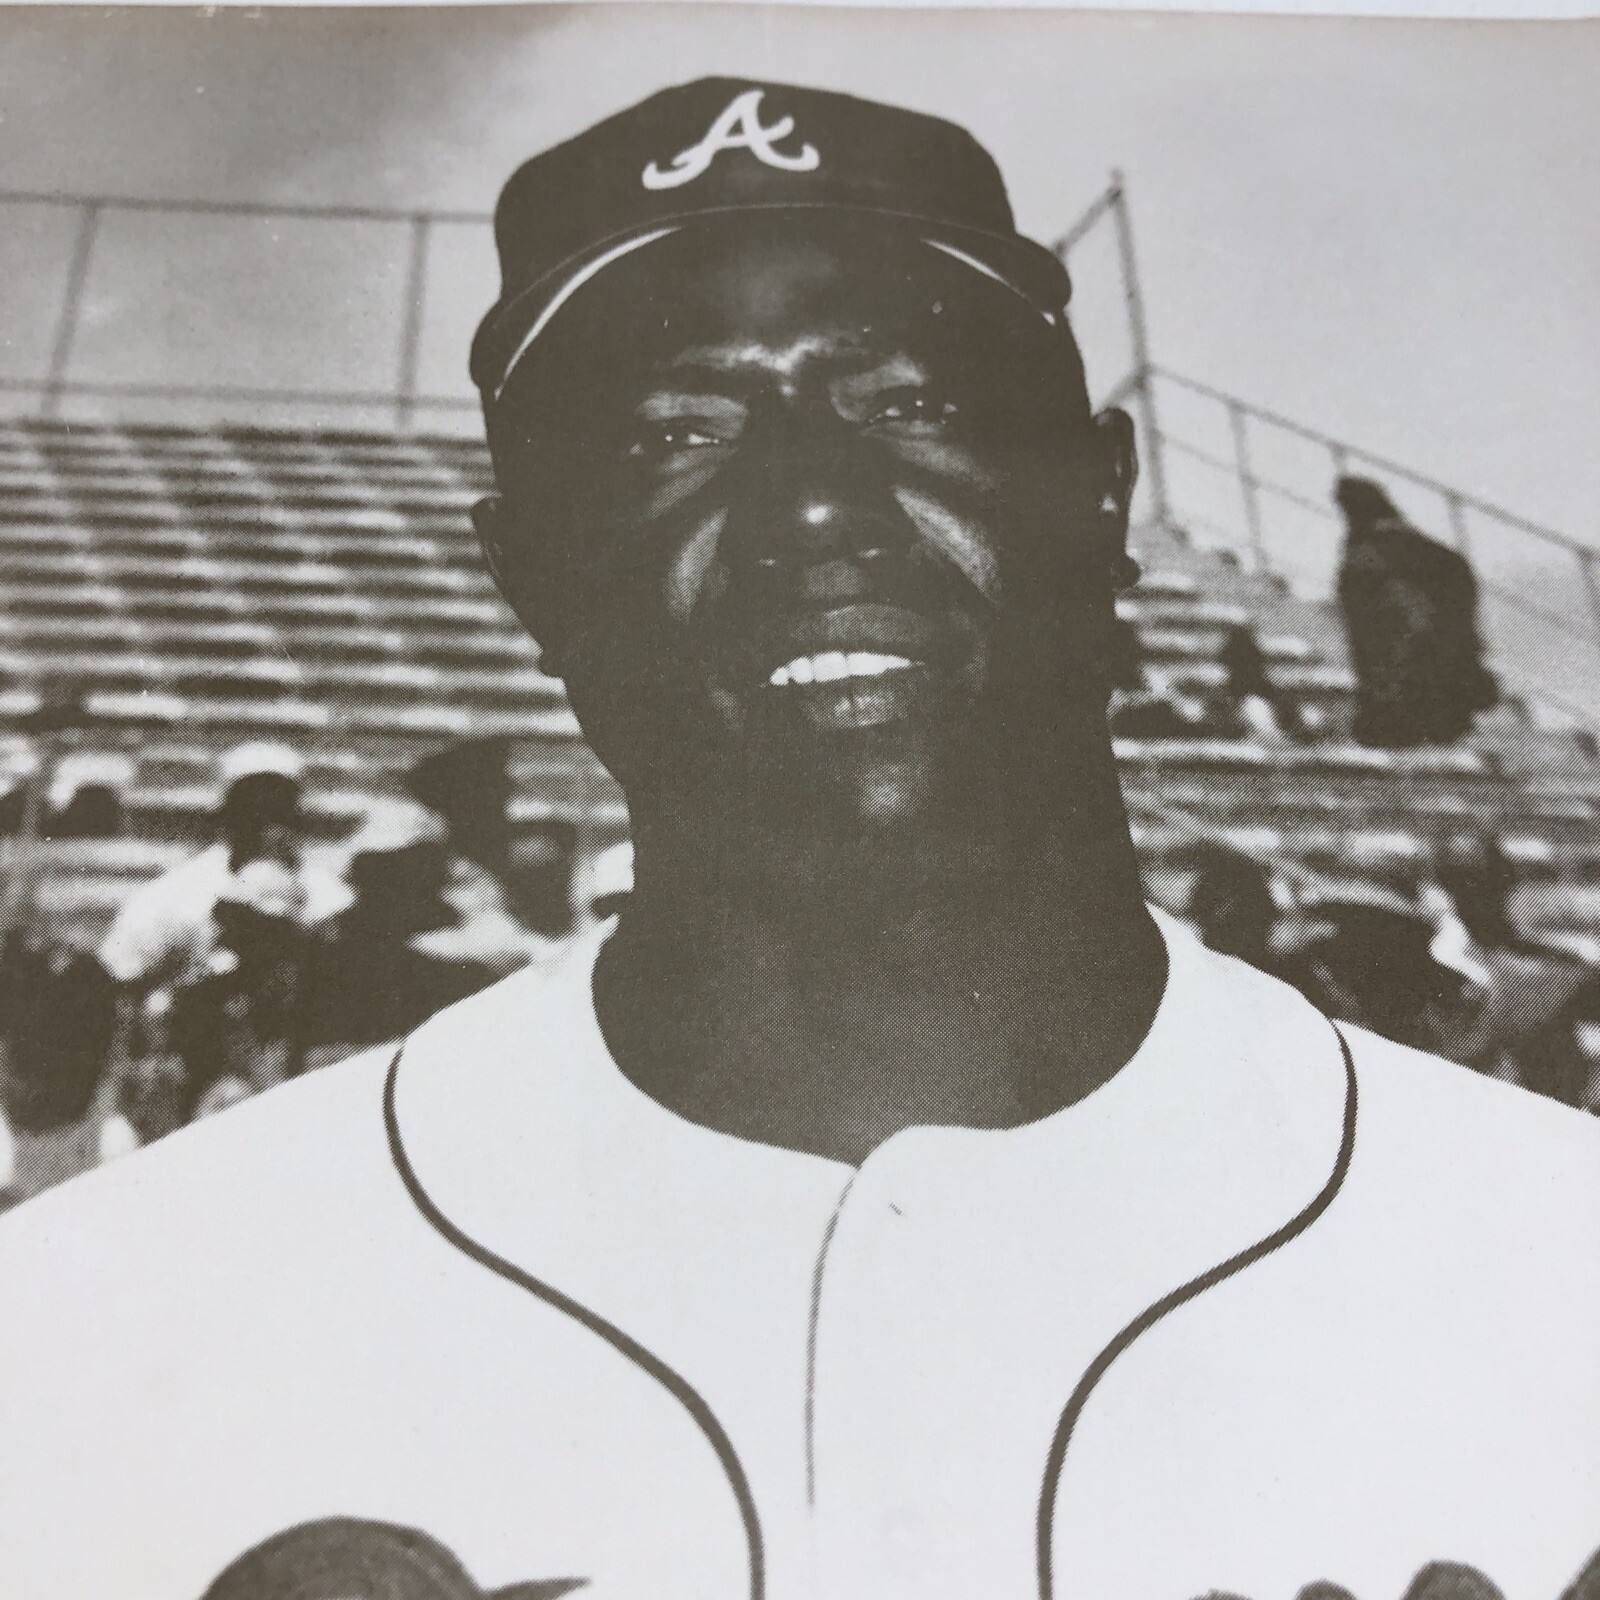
{"x": 1253, "y": 704}
{"x": 401, "y": 949}
{"x": 57, "y": 1024}
{"x": 1231, "y": 905}
{"x": 151, "y": 1097}
{"x": 543, "y": 867}
{"x": 886, "y": 1206}
{"x": 1366, "y": 956}
{"x": 241, "y": 1019}
{"x": 1410, "y": 610}
{"x": 467, "y": 786}
{"x": 85, "y": 800}
{"x": 1531, "y": 997}
{"x": 165, "y": 930}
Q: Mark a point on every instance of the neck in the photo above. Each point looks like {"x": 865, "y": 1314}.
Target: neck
{"x": 824, "y": 993}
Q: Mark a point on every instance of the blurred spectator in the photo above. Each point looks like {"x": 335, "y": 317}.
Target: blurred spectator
{"x": 58, "y": 1021}
{"x": 1253, "y": 704}
{"x": 541, "y": 874}
{"x": 166, "y": 931}
{"x": 1231, "y": 905}
{"x": 1527, "y": 1025}
{"x": 468, "y": 787}
{"x": 400, "y": 951}
{"x": 86, "y": 795}
{"x": 240, "y": 1020}
{"x": 1366, "y": 956}
{"x": 1410, "y": 613}
{"x": 498, "y": 921}
{"x": 1473, "y": 871}
{"x": 151, "y": 1095}
{"x": 1446, "y": 971}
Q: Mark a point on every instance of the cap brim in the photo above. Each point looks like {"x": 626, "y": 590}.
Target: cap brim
{"x": 1021, "y": 265}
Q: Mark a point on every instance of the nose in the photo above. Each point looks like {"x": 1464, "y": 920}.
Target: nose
{"x": 811, "y": 503}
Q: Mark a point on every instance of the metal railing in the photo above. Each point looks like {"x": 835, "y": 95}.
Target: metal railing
{"x": 402, "y": 401}
{"x": 90, "y": 255}
{"x": 1258, "y": 484}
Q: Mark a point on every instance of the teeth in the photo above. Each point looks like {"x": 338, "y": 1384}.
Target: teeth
{"x": 865, "y": 664}
{"x": 832, "y": 665}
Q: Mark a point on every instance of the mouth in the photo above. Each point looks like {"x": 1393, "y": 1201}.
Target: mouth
{"x": 857, "y": 666}
{"x": 837, "y": 690}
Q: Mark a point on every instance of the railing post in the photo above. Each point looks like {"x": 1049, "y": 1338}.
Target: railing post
{"x": 71, "y": 309}
{"x": 1247, "y": 481}
{"x": 405, "y": 400}
{"x": 1144, "y": 374}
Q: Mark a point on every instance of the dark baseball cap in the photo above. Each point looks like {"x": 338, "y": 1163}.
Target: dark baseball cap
{"x": 726, "y": 146}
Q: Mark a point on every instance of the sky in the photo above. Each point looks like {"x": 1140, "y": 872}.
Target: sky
{"x": 1386, "y": 230}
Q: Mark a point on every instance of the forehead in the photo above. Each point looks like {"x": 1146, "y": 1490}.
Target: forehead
{"x": 795, "y": 292}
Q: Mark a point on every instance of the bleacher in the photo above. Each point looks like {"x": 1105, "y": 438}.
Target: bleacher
{"x": 1532, "y": 781}
{"x": 198, "y": 587}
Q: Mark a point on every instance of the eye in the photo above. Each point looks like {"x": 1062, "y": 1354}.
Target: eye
{"x": 915, "y": 410}
{"x": 656, "y": 441}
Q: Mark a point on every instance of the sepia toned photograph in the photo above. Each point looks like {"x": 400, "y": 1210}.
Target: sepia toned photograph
{"x": 798, "y": 804}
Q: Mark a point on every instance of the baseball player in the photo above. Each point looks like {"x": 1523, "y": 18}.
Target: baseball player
{"x": 888, "y": 1206}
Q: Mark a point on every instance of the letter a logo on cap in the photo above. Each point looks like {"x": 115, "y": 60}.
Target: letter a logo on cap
{"x": 738, "y": 128}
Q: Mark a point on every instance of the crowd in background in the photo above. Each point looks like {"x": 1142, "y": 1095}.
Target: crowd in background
{"x": 1437, "y": 962}
{"x": 259, "y": 958}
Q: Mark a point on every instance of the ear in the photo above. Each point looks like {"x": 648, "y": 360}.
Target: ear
{"x": 1119, "y": 467}
{"x": 498, "y": 537}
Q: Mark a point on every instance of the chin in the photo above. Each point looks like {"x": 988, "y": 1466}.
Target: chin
{"x": 888, "y": 794}
{"x": 896, "y": 779}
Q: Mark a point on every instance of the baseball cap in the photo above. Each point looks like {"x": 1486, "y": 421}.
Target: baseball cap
{"x": 724, "y": 147}
{"x": 257, "y": 759}
{"x": 79, "y": 769}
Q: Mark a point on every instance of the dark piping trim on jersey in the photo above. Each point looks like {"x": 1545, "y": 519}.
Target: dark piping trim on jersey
{"x": 675, "y": 1385}
{"x": 1148, "y": 1318}
{"x": 813, "y": 1323}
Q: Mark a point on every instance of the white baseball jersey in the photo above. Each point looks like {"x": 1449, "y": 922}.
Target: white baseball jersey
{"x": 1272, "y": 1305}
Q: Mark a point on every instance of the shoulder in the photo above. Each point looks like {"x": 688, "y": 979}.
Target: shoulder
{"x": 1501, "y": 1154}
{"x": 1463, "y": 1109}
{"x": 317, "y": 1145}
{"x": 228, "y": 1184}
{"x": 165, "y": 907}
{"x": 1438, "y": 1149}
